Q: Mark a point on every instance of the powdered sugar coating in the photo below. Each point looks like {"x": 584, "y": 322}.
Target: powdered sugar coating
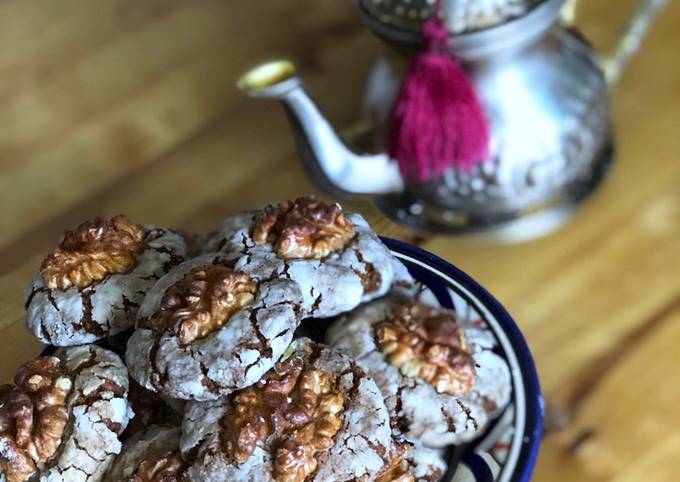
{"x": 426, "y": 464}
{"x": 99, "y": 412}
{"x": 361, "y": 445}
{"x": 448, "y": 419}
{"x": 232, "y": 357}
{"x": 78, "y": 316}
{"x": 361, "y": 271}
{"x": 403, "y": 283}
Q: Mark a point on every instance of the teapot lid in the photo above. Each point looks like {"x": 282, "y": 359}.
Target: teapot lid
{"x": 461, "y": 16}
{"x": 400, "y": 27}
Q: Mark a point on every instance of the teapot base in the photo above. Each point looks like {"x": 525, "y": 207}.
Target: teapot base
{"x": 511, "y": 226}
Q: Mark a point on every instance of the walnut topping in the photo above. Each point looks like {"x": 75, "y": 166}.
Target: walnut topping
{"x": 397, "y": 470}
{"x": 95, "y": 249}
{"x": 306, "y": 228}
{"x": 169, "y": 467}
{"x": 427, "y": 342}
{"x": 202, "y": 301}
{"x": 397, "y": 473}
{"x": 33, "y": 416}
{"x": 400, "y": 475}
{"x": 295, "y": 410}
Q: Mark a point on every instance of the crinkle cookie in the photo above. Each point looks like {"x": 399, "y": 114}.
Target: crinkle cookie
{"x": 91, "y": 285}
{"x": 150, "y": 455}
{"x": 314, "y": 417}
{"x": 403, "y": 283}
{"x": 440, "y": 379}
{"x": 207, "y": 329}
{"x": 412, "y": 463}
{"x": 61, "y": 419}
{"x": 425, "y": 464}
{"x": 336, "y": 258}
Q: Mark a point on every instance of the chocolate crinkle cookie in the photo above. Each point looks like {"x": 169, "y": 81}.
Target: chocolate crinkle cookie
{"x": 335, "y": 257}
{"x": 422, "y": 356}
{"x": 90, "y": 286}
{"x": 151, "y": 455}
{"x": 412, "y": 463}
{"x": 61, "y": 419}
{"x": 207, "y": 329}
{"x": 425, "y": 464}
{"x": 314, "y": 417}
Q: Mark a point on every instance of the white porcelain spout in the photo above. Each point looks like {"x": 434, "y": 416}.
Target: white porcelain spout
{"x": 327, "y": 160}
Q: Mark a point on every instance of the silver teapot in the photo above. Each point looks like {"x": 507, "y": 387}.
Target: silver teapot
{"x": 544, "y": 91}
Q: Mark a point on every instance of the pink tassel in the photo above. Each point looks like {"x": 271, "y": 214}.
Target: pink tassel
{"x": 438, "y": 121}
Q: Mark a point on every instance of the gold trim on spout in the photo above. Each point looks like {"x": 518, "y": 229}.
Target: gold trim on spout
{"x": 266, "y": 75}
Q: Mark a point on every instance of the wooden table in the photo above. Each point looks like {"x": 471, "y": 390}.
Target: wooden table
{"x": 126, "y": 106}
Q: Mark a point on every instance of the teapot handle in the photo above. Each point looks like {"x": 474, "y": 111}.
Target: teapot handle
{"x": 630, "y": 39}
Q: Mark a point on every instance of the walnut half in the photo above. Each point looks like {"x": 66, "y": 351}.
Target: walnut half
{"x": 306, "y": 228}
{"x": 33, "y": 416}
{"x": 427, "y": 342}
{"x": 397, "y": 469}
{"x": 202, "y": 301}
{"x": 95, "y": 249}
{"x": 168, "y": 467}
{"x": 294, "y": 409}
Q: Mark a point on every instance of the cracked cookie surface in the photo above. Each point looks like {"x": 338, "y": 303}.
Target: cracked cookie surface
{"x": 335, "y": 257}
{"x": 426, "y": 464}
{"x": 415, "y": 463}
{"x": 446, "y": 367}
{"x": 207, "y": 329}
{"x": 91, "y": 285}
{"x": 151, "y": 455}
{"x": 315, "y": 416}
{"x": 74, "y": 405}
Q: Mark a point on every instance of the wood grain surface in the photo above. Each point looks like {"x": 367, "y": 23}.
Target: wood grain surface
{"x": 127, "y": 106}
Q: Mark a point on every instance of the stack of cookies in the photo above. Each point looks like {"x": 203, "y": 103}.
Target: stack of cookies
{"x": 180, "y": 360}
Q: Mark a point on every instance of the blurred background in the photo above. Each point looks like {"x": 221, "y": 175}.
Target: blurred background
{"x": 127, "y": 106}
